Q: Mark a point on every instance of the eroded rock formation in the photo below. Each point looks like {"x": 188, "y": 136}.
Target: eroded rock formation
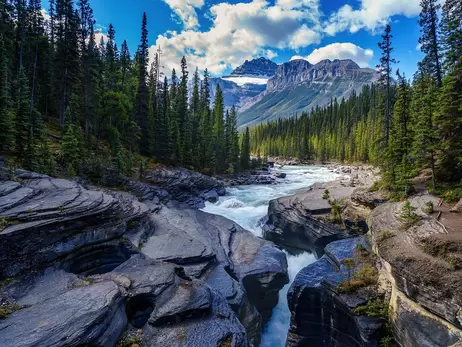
{"x": 321, "y": 315}
{"x": 82, "y": 266}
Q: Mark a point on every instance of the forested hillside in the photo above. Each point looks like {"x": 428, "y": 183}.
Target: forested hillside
{"x": 73, "y": 105}
{"x": 402, "y": 126}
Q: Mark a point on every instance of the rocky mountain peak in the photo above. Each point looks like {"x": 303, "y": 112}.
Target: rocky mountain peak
{"x": 300, "y": 71}
{"x": 256, "y": 67}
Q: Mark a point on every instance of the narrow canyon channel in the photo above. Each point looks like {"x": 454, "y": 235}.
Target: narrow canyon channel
{"x": 247, "y": 206}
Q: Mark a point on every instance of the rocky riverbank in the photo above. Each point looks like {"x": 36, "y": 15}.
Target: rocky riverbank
{"x": 401, "y": 284}
{"x": 81, "y": 265}
{"x": 301, "y": 222}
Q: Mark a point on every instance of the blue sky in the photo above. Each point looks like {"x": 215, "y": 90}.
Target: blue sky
{"x": 220, "y": 34}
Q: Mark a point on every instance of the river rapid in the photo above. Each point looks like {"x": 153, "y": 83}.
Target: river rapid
{"x": 247, "y": 205}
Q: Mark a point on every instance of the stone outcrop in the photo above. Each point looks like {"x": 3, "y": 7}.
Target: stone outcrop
{"x": 420, "y": 269}
{"x": 187, "y": 187}
{"x": 81, "y": 266}
{"x": 320, "y": 314}
{"x": 302, "y": 222}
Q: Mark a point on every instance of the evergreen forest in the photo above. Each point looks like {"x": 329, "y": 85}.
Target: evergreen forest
{"x": 70, "y": 105}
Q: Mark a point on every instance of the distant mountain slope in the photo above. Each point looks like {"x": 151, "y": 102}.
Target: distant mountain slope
{"x": 245, "y": 82}
{"x": 299, "y": 86}
{"x": 233, "y": 93}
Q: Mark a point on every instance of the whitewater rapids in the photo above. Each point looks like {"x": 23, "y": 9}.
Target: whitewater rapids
{"x": 247, "y": 206}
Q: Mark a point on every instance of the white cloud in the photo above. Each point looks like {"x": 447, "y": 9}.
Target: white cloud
{"x": 304, "y": 37}
{"x": 186, "y": 11}
{"x": 242, "y": 31}
{"x": 372, "y": 15}
{"x": 339, "y": 50}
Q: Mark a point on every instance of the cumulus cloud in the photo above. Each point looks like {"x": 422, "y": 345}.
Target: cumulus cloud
{"x": 185, "y": 10}
{"x": 242, "y": 31}
{"x": 371, "y": 15}
{"x": 346, "y": 50}
{"x": 303, "y": 37}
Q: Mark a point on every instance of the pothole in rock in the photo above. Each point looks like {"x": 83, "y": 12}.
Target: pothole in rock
{"x": 139, "y": 309}
{"x": 98, "y": 260}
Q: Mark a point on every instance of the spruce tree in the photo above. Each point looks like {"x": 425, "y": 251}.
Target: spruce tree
{"x": 22, "y": 123}
{"x": 245, "y": 151}
{"x": 6, "y": 114}
{"x": 385, "y": 69}
{"x": 423, "y": 109}
{"x": 400, "y": 137}
{"x": 451, "y": 32}
{"x": 218, "y": 144}
{"x": 142, "y": 96}
{"x": 429, "y": 40}
{"x": 449, "y": 118}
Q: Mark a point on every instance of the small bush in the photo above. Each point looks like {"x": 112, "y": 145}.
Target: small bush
{"x": 8, "y": 308}
{"x": 454, "y": 262}
{"x": 326, "y": 195}
{"x": 373, "y": 308}
{"x": 429, "y": 208}
{"x": 408, "y": 215}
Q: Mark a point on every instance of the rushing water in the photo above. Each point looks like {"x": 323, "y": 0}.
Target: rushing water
{"x": 247, "y": 205}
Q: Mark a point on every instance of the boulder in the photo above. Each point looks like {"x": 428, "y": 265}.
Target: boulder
{"x": 187, "y": 187}
{"x": 295, "y": 222}
{"x": 320, "y": 314}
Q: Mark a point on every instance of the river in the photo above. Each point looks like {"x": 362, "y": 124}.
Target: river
{"x": 247, "y": 205}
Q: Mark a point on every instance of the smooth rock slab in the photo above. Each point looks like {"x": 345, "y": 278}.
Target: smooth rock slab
{"x": 91, "y": 315}
{"x": 320, "y": 316}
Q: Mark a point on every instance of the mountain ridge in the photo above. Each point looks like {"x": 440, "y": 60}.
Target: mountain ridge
{"x": 298, "y": 86}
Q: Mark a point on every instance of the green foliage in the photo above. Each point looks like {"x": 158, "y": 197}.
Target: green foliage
{"x": 335, "y": 215}
{"x": 407, "y": 214}
{"x": 429, "y": 207}
{"x": 70, "y": 150}
{"x": 7, "y": 308}
{"x": 326, "y": 194}
{"x": 373, "y": 308}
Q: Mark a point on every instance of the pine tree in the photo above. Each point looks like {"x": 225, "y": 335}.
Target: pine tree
{"x": 232, "y": 140}
{"x": 205, "y": 131}
{"x": 142, "y": 96}
{"x": 183, "y": 119}
{"x": 385, "y": 69}
{"x": 218, "y": 144}
{"x": 400, "y": 137}
{"x": 423, "y": 108}
{"x": 22, "y": 124}
{"x": 195, "y": 117}
{"x": 429, "y": 41}
{"x": 6, "y": 115}
{"x": 245, "y": 151}
{"x": 449, "y": 120}
{"x": 125, "y": 61}
{"x": 451, "y": 32}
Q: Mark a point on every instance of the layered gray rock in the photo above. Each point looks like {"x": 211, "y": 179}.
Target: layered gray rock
{"x": 320, "y": 314}
{"x": 420, "y": 271}
{"x": 296, "y": 222}
{"x": 82, "y": 266}
{"x": 187, "y": 187}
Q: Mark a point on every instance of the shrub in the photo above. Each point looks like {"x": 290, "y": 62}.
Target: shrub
{"x": 429, "y": 208}
{"x": 407, "y": 214}
{"x": 373, "y": 308}
{"x": 326, "y": 195}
